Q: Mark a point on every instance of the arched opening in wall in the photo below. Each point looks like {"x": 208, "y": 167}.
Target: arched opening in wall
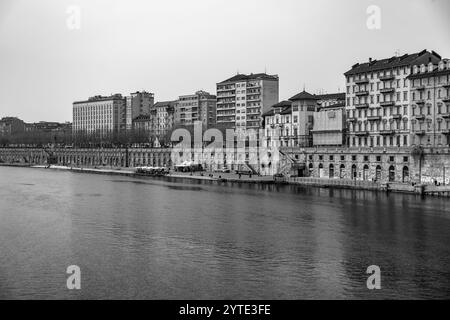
{"x": 310, "y": 168}
{"x": 366, "y": 172}
{"x": 321, "y": 173}
{"x": 354, "y": 172}
{"x": 405, "y": 174}
{"x": 391, "y": 173}
{"x": 342, "y": 171}
{"x": 331, "y": 171}
{"x": 378, "y": 173}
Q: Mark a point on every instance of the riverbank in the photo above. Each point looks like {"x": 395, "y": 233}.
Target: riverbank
{"x": 211, "y": 176}
{"x": 431, "y": 190}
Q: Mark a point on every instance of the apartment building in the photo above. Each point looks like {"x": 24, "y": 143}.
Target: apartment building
{"x": 290, "y": 123}
{"x": 137, "y": 103}
{"x": 159, "y": 122}
{"x": 243, "y": 99}
{"x": 200, "y": 106}
{"x": 99, "y": 114}
{"x": 430, "y": 104}
{"x": 378, "y": 99}
{"x": 162, "y": 115}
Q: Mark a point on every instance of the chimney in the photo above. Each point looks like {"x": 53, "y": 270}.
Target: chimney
{"x": 370, "y": 59}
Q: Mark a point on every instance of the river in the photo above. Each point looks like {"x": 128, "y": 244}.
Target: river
{"x": 165, "y": 238}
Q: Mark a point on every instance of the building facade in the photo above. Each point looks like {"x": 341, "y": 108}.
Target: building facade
{"x": 11, "y": 126}
{"x": 200, "y": 106}
{"x": 430, "y": 104}
{"x": 163, "y": 116}
{"x": 378, "y": 100}
{"x": 99, "y": 114}
{"x": 46, "y": 126}
{"x": 137, "y": 103}
{"x": 305, "y": 116}
{"x": 330, "y": 121}
{"x": 243, "y": 99}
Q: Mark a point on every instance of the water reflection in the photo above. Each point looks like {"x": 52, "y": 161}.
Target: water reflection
{"x": 170, "y": 238}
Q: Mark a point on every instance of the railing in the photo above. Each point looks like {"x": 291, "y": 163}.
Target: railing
{"x": 328, "y": 182}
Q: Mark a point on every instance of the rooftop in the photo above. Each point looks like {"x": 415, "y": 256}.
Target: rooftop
{"x": 282, "y": 107}
{"x": 163, "y": 104}
{"x": 394, "y": 62}
{"x": 116, "y": 96}
{"x": 245, "y": 77}
{"x": 304, "y": 96}
{"x": 331, "y": 96}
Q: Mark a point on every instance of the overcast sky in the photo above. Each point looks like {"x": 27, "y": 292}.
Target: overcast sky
{"x": 176, "y": 47}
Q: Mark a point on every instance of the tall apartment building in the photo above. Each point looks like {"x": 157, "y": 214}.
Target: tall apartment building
{"x": 137, "y": 103}
{"x": 430, "y": 104}
{"x": 200, "y": 106}
{"x": 243, "y": 99}
{"x": 99, "y": 114}
{"x": 377, "y": 100}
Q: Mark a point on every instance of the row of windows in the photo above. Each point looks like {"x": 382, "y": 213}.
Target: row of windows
{"x": 379, "y": 74}
{"x": 379, "y": 141}
{"x": 380, "y": 86}
{"x": 442, "y": 93}
{"x": 354, "y": 158}
{"x": 386, "y": 98}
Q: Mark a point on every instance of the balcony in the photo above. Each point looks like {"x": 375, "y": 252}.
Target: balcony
{"x": 362, "y": 93}
{"x": 387, "y": 103}
{"x": 419, "y": 117}
{"x": 387, "y": 90}
{"x": 387, "y": 132}
{"x": 446, "y": 85}
{"x": 446, "y": 99}
{"x": 362, "y": 81}
{"x": 352, "y": 119}
{"x": 223, "y": 89}
{"x": 445, "y": 115}
{"x": 374, "y": 118}
{"x": 361, "y": 106}
{"x": 361, "y": 133}
{"x": 445, "y": 131}
{"x": 419, "y": 102}
{"x": 420, "y": 132}
{"x": 419, "y": 88}
{"x": 396, "y": 116}
{"x": 225, "y": 102}
{"x": 387, "y": 78}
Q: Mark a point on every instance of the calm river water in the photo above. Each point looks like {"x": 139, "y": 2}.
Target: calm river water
{"x": 182, "y": 239}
